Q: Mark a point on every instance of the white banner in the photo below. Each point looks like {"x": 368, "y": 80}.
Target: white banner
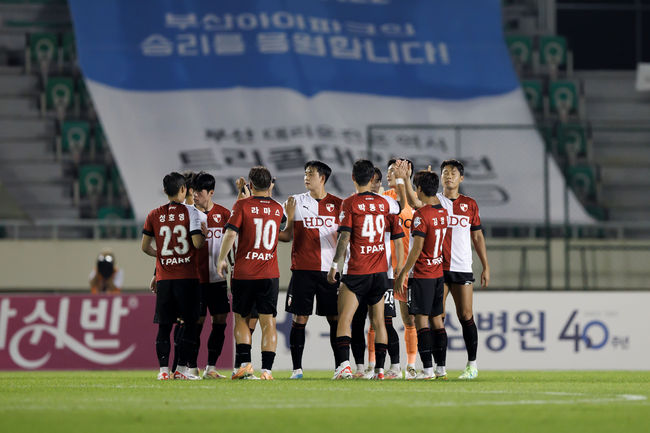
{"x": 517, "y": 331}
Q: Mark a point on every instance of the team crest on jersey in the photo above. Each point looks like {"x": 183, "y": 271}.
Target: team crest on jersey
{"x": 463, "y": 207}
{"x": 417, "y": 221}
{"x": 329, "y": 207}
{"x": 216, "y": 218}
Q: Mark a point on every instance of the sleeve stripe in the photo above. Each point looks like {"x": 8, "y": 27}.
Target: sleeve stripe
{"x": 418, "y": 233}
{"x": 474, "y": 228}
{"x": 196, "y": 232}
{"x": 147, "y": 232}
{"x": 397, "y": 236}
{"x": 345, "y": 229}
{"x": 232, "y": 227}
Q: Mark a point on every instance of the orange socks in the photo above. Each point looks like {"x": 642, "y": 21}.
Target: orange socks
{"x": 411, "y": 339}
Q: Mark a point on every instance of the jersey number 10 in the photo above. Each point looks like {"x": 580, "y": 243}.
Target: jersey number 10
{"x": 265, "y": 233}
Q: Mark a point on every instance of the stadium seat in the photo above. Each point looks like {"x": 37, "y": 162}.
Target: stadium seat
{"x": 74, "y": 139}
{"x": 563, "y": 95}
{"x": 59, "y": 95}
{"x": 92, "y": 180}
{"x": 553, "y": 54}
{"x": 533, "y": 92}
{"x": 42, "y": 48}
{"x": 582, "y": 180}
{"x": 572, "y": 142}
{"x": 520, "y": 48}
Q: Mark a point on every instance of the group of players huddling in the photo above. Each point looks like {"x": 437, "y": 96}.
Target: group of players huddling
{"x": 356, "y": 256}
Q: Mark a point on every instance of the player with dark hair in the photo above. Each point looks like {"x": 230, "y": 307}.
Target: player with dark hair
{"x": 394, "y": 233}
{"x": 177, "y": 231}
{"x": 406, "y": 217}
{"x": 362, "y": 224}
{"x": 213, "y": 288}
{"x": 313, "y": 230}
{"x": 465, "y": 225}
{"x": 256, "y": 222}
{"x": 426, "y": 284}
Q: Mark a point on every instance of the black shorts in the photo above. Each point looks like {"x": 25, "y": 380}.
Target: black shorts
{"x": 369, "y": 288}
{"x": 214, "y": 297}
{"x": 425, "y": 296}
{"x": 389, "y": 302}
{"x": 177, "y": 299}
{"x": 462, "y": 278}
{"x": 254, "y": 314}
{"x": 262, "y": 294}
{"x": 302, "y": 288}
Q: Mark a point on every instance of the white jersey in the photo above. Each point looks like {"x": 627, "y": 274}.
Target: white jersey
{"x": 463, "y": 219}
{"x": 393, "y": 231}
{"x": 314, "y": 232}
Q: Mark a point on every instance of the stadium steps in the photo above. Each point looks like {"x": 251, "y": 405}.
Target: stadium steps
{"x": 13, "y": 83}
{"x": 26, "y": 149}
{"x": 23, "y": 106}
{"x": 620, "y": 117}
{"x": 21, "y": 127}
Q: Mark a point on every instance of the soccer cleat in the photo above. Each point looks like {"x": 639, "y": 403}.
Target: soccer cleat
{"x": 250, "y": 377}
{"x": 378, "y": 376}
{"x": 266, "y": 375}
{"x": 393, "y": 374}
{"x": 410, "y": 373}
{"x": 342, "y": 373}
{"x": 212, "y": 374}
{"x": 469, "y": 373}
{"x": 423, "y": 376}
{"x": 358, "y": 374}
{"x": 178, "y": 375}
{"x": 242, "y": 372}
{"x": 441, "y": 377}
{"x": 297, "y": 374}
{"x": 369, "y": 373}
{"x": 163, "y": 375}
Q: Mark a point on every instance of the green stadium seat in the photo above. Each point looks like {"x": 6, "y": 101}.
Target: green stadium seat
{"x": 572, "y": 142}
{"x": 111, "y": 213}
{"x": 520, "y": 48}
{"x": 59, "y": 95}
{"x": 533, "y": 93}
{"x": 75, "y": 136}
{"x": 563, "y": 95}
{"x": 92, "y": 180}
{"x": 552, "y": 50}
{"x": 582, "y": 180}
{"x": 42, "y": 49}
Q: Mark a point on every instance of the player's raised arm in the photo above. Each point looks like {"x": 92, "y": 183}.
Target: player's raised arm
{"x": 404, "y": 188}
{"x": 244, "y": 190}
{"x": 286, "y": 235}
{"x": 416, "y": 249}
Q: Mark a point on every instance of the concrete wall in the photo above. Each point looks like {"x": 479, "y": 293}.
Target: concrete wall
{"x": 65, "y": 265}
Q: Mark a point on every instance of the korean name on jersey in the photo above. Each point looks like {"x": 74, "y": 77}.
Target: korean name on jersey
{"x": 172, "y": 226}
{"x": 364, "y": 216}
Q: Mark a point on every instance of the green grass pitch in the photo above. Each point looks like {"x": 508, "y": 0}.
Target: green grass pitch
{"x": 133, "y": 401}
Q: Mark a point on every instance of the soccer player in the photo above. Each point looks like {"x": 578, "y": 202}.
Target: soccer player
{"x": 406, "y": 217}
{"x": 313, "y": 230}
{"x": 256, "y": 222}
{"x": 426, "y": 283}
{"x": 362, "y": 224}
{"x": 213, "y": 288}
{"x": 465, "y": 225}
{"x": 394, "y": 233}
{"x": 178, "y": 234}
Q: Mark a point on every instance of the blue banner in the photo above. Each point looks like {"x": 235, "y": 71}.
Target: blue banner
{"x": 408, "y": 48}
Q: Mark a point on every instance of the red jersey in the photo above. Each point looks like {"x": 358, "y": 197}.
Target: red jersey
{"x": 257, "y": 222}
{"x": 430, "y": 222}
{"x": 172, "y": 226}
{"x": 394, "y": 231}
{"x": 364, "y": 216}
{"x": 463, "y": 219}
{"x": 216, "y": 220}
{"x": 314, "y": 232}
